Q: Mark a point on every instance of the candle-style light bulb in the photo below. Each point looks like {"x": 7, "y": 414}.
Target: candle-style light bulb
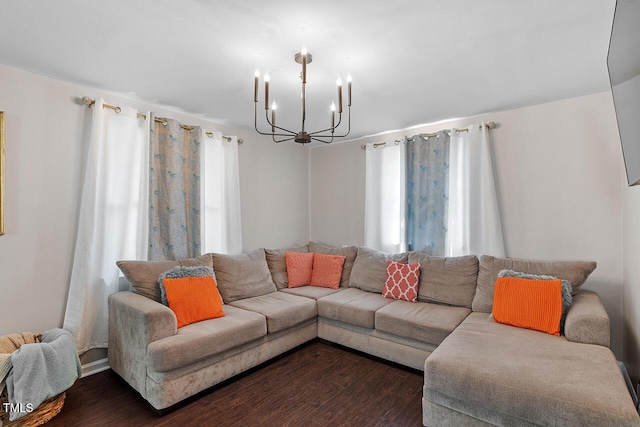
{"x": 303, "y": 51}
{"x": 273, "y": 116}
{"x": 333, "y": 116}
{"x": 349, "y": 88}
{"x": 266, "y": 91}
{"x": 255, "y": 86}
{"x": 339, "y": 83}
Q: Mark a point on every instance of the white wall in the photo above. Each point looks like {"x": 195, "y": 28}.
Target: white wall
{"x": 558, "y": 167}
{"x": 628, "y": 110}
{"x": 274, "y": 185}
{"x": 631, "y": 227}
{"x": 44, "y": 126}
{"x": 627, "y": 94}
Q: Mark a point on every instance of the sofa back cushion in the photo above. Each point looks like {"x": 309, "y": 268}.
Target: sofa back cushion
{"x": 143, "y": 275}
{"x": 349, "y": 252}
{"x": 576, "y": 272}
{"x": 369, "y": 271}
{"x": 447, "y": 280}
{"x": 243, "y": 276}
{"x": 278, "y": 266}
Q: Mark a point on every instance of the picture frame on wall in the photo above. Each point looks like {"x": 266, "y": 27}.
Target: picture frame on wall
{"x": 1, "y": 173}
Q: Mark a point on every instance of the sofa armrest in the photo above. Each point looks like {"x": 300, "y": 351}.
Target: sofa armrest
{"x": 135, "y": 321}
{"x": 587, "y": 321}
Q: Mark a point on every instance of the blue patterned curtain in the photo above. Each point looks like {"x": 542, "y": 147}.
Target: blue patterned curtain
{"x": 427, "y": 192}
{"x": 174, "y": 191}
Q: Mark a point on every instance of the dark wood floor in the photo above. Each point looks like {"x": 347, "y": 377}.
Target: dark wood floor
{"x": 315, "y": 385}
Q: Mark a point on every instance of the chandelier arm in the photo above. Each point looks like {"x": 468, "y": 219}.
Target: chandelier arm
{"x": 338, "y": 136}
{"x": 348, "y": 127}
{"x": 255, "y": 125}
{"x": 266, "y": 114}
{"x": 329, "y": 129}
{"x": 320, "y": 140}
{"x": 339, "y": 121}
{"x": 274, "y": 134}
{"x": 280, "y": 140}
{"x": 331, "y": 136}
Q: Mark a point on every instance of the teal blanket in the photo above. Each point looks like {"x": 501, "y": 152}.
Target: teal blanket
{"x": 41, "y": 371}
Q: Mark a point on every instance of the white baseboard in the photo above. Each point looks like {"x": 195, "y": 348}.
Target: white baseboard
{"x": 95, "y": 367}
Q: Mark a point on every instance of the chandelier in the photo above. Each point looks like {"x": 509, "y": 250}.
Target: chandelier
{"x": 280, "y": 134}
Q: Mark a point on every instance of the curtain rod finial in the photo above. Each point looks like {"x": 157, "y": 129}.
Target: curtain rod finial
{"x": 88, "y": 101}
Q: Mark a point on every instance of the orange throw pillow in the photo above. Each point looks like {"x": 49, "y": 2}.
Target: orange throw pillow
{"x": 528, "y": 303}
{"x": 193, "y": 299}
{"x": 299, "y": 266}
{"x": 402, "y": 281}
{"x": 327, "y": 270}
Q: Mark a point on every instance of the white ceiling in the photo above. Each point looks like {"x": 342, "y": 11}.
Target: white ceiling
{"x": 412, "y": 62}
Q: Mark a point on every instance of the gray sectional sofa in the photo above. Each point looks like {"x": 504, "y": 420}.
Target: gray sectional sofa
{"x": 477, "y": 371}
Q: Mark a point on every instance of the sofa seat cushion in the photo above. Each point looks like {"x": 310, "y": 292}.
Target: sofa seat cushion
{"x": 200, "y": 340}
{"x": 352, "y": 306}
{"x": 282, "y": 310}
{"x": 499, "y": 373}
{"x": 422, "y": 321}
{"x": 314, "y": 292}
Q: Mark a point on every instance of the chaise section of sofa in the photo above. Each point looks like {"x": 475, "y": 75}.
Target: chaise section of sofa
{"x": 487, "y": 373}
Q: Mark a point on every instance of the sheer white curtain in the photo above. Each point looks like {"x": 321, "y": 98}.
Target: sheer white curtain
{"x": 221, "y": 229}
{"x": 473, "y": 221}
{"x": 113, "y": 221}
{"x": 385, "y": 201}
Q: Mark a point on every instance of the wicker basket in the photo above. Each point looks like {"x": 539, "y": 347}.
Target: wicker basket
{"x": 40, "y": 415}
